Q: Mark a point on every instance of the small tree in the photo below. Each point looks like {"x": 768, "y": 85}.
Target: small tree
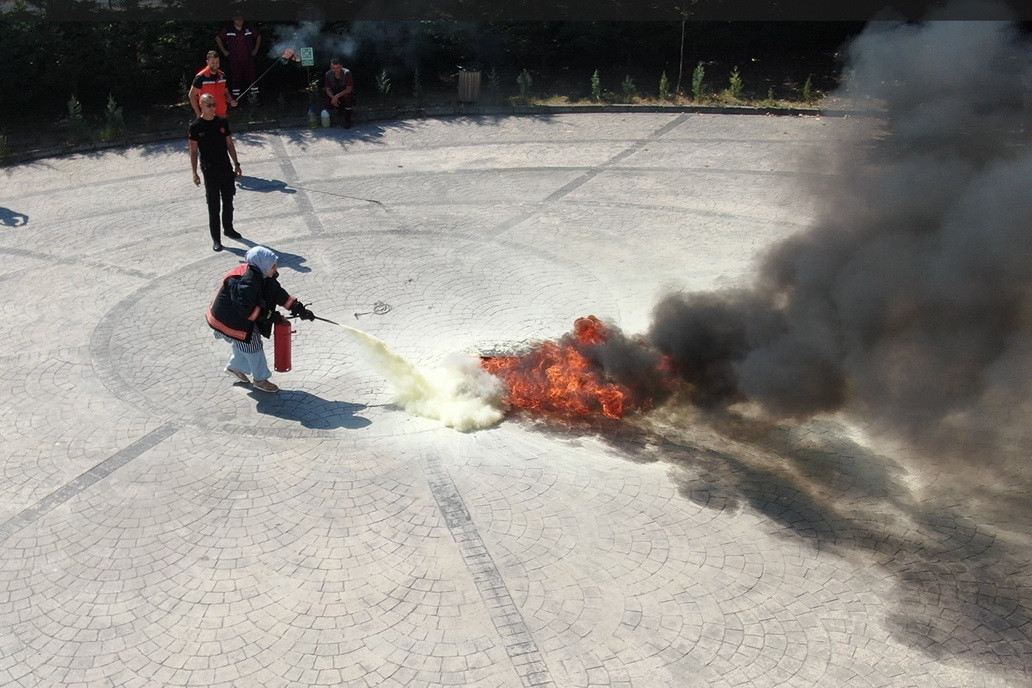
{"x": 735, "y": 84}
{"x": 697, "y": 85}
{"x": 664, "y": 87}
{"x": 383, "y": 85}
{"x": 808, "y": 89}
{"x": 495, "y": 82}
{"x": 596, "y": 87}
{"x": 629, "y": 91}
{"x": 524, "y": 81}
{"x": 76, "y": 120}
{"x": 417, "y": 88}
{"x": 315, "y": 91}
{"x": 184, "y": 87}
{"x": 114, "y": 122}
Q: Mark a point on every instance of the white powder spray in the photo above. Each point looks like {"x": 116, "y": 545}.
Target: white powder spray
{"x": 460, "y": 394}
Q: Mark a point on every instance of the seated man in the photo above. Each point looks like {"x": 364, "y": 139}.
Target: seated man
{"x": 340, "y": 91}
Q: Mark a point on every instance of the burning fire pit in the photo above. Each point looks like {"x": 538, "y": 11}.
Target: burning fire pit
{"x": 568, "y": 377}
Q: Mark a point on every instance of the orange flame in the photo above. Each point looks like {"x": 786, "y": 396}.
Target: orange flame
{"x": 558, "y": 378}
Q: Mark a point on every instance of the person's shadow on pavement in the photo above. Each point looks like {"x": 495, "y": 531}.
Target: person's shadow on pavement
{"x": 310, "y": 410}
{"x": 263, "y": 185}
{"x": 286, "y": 260}
{"x": 11, "y": 218}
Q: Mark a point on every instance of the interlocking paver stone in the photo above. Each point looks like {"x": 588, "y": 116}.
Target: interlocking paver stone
{"x": 163, "y": 526}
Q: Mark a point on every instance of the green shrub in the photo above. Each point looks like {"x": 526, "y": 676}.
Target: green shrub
{"x": 697, "y": 85}
{"x": 808, "y": 90}
{"x": 315, "y": 93}
{"x": 114, "y": 121}
{"x": 664, "y": 87}
{"x": 184, "y": 87}
{"x": 494, "y": 81}
{"x": 417, "y": 87}
{"x": 524, "y": 81}
{"x": 735, "y": 85}
{"x": 629, "y": 91}
{"x": 596, "y": 87}
{"x": 77, "y": 128}
{"x": 383, "y": 85}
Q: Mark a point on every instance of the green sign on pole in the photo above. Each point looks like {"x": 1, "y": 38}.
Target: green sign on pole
{"x": 307, "y": 57}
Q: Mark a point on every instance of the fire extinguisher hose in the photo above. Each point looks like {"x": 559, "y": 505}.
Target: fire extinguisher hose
{"x": 323, "y": 319}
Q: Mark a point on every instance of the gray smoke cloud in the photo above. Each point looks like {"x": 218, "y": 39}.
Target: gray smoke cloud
{"x": 390, "y": 43}
{"x": 312, "y": 34}
{"x": 909, "y": 301}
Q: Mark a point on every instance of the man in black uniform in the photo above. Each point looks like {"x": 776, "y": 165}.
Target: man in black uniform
{"x": 211, "y": 141}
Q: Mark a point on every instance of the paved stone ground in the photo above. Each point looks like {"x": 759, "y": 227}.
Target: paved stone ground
{"x": 162, "y": 526}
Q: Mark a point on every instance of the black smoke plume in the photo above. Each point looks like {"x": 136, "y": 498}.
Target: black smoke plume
{"x": 908, "y": 302}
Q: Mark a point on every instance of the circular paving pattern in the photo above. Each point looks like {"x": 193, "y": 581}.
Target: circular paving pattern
{"x": 163, "y": 525}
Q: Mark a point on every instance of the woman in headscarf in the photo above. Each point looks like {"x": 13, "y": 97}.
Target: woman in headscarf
{"x": 245, "y": 307}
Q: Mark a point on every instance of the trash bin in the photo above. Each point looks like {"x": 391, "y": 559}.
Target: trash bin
{"x": 469, "y": 82}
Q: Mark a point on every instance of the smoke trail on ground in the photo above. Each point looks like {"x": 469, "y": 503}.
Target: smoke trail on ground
{"x": 909, "y": 301}
{"x": 460, "y": 393}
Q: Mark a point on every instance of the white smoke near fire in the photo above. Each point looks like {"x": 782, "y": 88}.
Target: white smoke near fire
{"x": 460, "y": 393}
{"x": 392, "y": 41}
{"x": 312, "y": 34}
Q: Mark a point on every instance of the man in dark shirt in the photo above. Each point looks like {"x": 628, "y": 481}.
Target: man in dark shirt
{"x": 240, "y": 43}
{"x": 211, "y": 141}
{"x": 339, "y": 86}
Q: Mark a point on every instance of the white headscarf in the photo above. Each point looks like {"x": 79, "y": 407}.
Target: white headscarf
{"x": 262, "y": 258}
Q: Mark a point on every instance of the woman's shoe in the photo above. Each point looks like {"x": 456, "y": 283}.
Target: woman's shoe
{"x": 265, "y": 386}
{"x": 238, "y": 375}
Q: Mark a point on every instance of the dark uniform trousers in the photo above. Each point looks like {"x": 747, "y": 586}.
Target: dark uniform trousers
{"x": 219, "y": 187}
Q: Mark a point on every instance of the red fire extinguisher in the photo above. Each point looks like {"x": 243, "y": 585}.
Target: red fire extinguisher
{"x": 281, "y": 332}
